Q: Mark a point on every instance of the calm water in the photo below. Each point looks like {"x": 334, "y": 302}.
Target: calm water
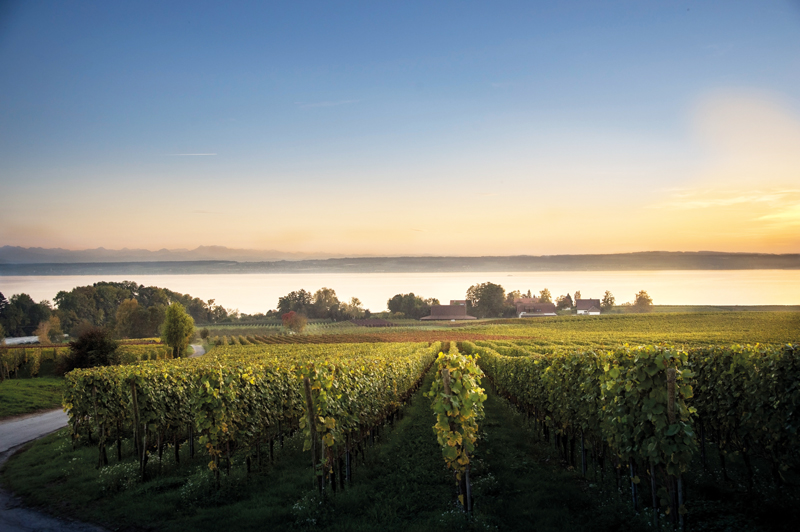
{"x": 260, "y": 292}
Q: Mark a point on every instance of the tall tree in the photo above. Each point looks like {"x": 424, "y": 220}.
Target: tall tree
{"x": 643, "y": 302}
{"x": 411, "y": 305}
{"x": 486, "y": 300}
{"x": 545, "y": 297}
{"x": 177, "y": 329}
{"x": 353, "y": 309}
{"x": 21, "y": 315}
{"x": 564, "y": 302}
{"x": 298, "y": 301}
{"x": 608, "y": 301}
{"x": 325, "y": 304}
{"x": 577, "y": 295}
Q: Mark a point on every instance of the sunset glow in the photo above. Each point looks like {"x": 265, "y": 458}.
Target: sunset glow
{"x": 385, "y": 132}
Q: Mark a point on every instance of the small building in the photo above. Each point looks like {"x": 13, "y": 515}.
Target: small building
{"x": 537, "y": 310}
{"x": 449, "y": 313}
{"x": 525, "y": 304}
{"x": 589, "y": 307}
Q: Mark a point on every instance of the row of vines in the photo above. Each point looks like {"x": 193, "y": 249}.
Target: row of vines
{"x": 651, "y": 410}
{"x": 29, "y": 360}
{"x": 457, "y": 402}
{"x": 237, "y": 399}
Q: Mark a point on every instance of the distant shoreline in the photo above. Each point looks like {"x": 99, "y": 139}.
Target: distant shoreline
{"x": 645, "y": 261}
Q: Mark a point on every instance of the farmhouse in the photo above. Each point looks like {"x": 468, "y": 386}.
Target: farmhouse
{"x": 525, "y": 304}
{"x": 449, "y": 312}
{"x": 539, "y": 310}
{"x": 588, "y": 306}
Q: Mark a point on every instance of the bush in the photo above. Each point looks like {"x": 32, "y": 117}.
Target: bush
{"x": 94, "y": 347}
{"x": 294, "y": 322}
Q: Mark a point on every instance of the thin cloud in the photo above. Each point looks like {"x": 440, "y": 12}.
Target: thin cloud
{"x": 205, "y": 212}
{"x": 787, "y": 216}
{"x": 189, "y": 154}
{"x": 419, "y": 230}
{"x": 324, "y": 104}
{"x": 702, "y": 199}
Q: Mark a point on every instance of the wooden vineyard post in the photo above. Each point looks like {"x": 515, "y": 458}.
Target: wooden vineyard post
{"x": 136, "y": 435}
{"x": 119, "y": 441}
{"x": 674, "y": 502}
{"x": 653, "y": 490}
{"x": 348, "y": 470}
{"x": 583, "y": 455}
{"x": 102, "y": 459}
{"x": 312, "y": 427}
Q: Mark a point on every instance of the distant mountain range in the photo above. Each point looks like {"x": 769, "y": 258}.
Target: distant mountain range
{"x": 206, "y": 260}
{"x": 20, "y": 255}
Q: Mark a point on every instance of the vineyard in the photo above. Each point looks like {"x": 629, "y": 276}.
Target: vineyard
{"x": 685, "y": 329}
{"x": 29, "y": 360}
{"x": 652, "y": 429}
{"x": 242, "y": 397}
{"x": 650, "y": 411}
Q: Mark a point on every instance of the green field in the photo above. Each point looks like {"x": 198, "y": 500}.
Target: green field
{"x": 23, "y": 396}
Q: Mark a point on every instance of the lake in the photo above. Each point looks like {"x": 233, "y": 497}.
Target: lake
{"x": 253, "y": 293}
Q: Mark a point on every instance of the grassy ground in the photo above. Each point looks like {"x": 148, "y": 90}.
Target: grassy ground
{"x": 23, "y": 396}
{"x": 402, "y": 486}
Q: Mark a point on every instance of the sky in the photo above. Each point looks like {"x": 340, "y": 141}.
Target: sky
{"x": 401, "y": 128}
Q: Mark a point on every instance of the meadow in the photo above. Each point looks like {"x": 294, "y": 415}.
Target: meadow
{"x": 332, "y": 430}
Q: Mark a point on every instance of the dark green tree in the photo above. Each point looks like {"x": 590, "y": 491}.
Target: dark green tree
{"x": 298, "y": 301}
{"x": 486, "y": 300}
{"x": 94, "y": 347}
{"x": 21, "y": 315}
{"x": 411, "y": 305}
{"x": 564, "y": 302}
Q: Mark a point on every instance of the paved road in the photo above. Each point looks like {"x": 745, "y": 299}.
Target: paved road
{"x": 198, "y": 351}
{"x": 21, "y": 430}
{"x": 13, "y": 516}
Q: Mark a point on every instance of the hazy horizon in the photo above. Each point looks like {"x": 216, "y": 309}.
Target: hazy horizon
{"x": 413, "y": 129}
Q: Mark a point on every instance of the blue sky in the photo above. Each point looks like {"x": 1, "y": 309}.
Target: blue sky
{"x": 353, "y": 127}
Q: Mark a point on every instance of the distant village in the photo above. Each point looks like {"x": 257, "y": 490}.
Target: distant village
{"x": 527, "y": 307}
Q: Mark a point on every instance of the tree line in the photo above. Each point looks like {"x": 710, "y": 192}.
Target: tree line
{"x": 490, "y": 300}
{"x": 127, "y": 308}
